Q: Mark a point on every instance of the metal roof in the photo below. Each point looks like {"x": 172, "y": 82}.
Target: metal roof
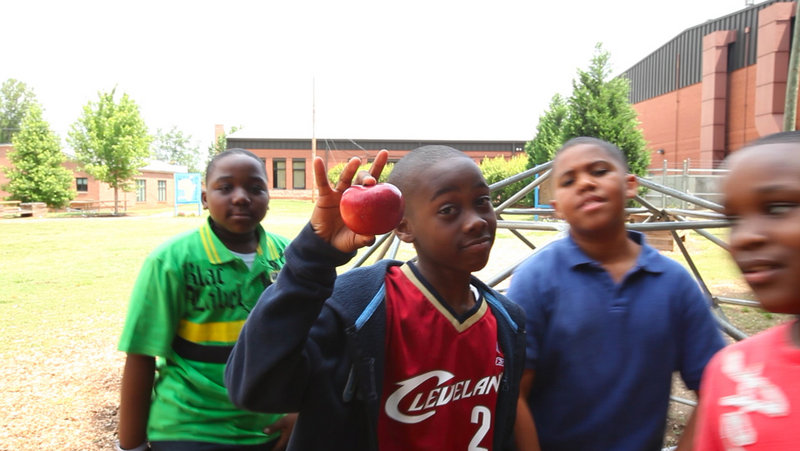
{"x": 679, "y": 62}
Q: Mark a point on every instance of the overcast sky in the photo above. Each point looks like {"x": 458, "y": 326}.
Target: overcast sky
{"x": 428, "y": 69}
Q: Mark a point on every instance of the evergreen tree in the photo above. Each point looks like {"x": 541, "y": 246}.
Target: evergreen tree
{"x": 549, "y": 133}
{"x": 111, "y": 141}
{"x": 15, "y": 100}
{"x": 37, "y": 173}
{"x": 600, "y": 108}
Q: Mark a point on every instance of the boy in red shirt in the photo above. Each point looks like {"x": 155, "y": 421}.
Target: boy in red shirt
{"x": 749, "y": 397}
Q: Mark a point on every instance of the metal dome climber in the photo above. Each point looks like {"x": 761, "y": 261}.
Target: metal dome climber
{"x": 702, "y": 215}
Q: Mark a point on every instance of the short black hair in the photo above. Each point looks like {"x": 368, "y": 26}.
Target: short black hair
{"x": 404, "y": 174}
{"x": 233, "y": 151}
{"x": 612, "y": 150}
{"x": 789, "y": 137}
{"x": 776, "y": 138}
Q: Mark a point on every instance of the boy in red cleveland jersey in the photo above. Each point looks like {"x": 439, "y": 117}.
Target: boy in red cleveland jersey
{"x": 393, "y": 356}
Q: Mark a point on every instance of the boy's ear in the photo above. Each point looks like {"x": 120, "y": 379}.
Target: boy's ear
{"x": 203, "y": 198}
{"x": 631, "y": 186}
{"x": 404, "y": 231}
{"x": 558, "y": 214}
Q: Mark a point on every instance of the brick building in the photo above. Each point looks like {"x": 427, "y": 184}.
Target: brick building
{"x": 716, "y": 86}
{"x": 154, "y": 187}
{"x": 289, "y": 167}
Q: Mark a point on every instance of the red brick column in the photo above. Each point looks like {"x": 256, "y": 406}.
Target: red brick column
{"x": 714, "y": 100}
{"x": 772, "y": 63}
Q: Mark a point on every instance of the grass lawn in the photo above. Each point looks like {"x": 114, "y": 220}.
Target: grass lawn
{"x": 68, "y": 275}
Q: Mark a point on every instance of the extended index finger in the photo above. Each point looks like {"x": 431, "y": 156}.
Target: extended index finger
{"x": 349, "y": 171}
{"x": 380, "y": 161}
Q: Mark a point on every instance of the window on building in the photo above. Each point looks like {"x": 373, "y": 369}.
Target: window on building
{"x": 279, "y": 173}
{"x": 298, "y": 173}
{"x": 162, "y": 190}
{"x": 82, "y": 184}
{"x": 140, "y": 190}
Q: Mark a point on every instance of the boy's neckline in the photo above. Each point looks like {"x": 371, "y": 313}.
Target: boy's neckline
{"x": 447, "y": 296}
{"x": 605, "y": 251}
{"x": 616, "y": 257}
{"x": 241, "y": 243}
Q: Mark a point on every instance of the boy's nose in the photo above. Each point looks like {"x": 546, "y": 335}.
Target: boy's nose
{"x": 239, "y": 196}
{"x": 746, "y": 233}
{"x": 586, "y": 181}
{"x": 475, "y": 221}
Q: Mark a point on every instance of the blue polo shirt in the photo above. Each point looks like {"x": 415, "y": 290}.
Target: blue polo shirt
{"x": 604, "y": 352}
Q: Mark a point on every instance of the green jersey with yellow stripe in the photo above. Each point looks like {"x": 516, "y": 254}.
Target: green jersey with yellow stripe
{"x": 188, "y": 305}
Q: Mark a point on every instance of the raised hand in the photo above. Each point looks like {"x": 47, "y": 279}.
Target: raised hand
{"x": 326, "y": 219}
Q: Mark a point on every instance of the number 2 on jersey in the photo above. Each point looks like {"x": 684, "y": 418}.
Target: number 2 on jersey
{"x": 481, "y": 416}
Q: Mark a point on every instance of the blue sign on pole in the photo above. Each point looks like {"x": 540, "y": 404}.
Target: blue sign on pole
{"x": 187, "y": 190}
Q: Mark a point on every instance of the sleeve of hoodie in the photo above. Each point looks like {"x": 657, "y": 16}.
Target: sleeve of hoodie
{"x": 279, "y": 349}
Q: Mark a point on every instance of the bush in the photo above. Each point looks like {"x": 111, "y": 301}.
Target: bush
{"x": 497, "y": 169}
{"x": 336, "y": 171}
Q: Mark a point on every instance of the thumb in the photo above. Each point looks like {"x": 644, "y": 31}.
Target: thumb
{"x": 364, "y": 240}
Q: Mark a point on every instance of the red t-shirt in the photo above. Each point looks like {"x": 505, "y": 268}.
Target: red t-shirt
{"x": 442, "y": 373}
{"x": 750, "y": 395}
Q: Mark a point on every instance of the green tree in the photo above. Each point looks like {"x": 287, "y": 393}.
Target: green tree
{"x": 549, "y": 133}
{"x": 221, "y": 143}
{"x": 599, "y": 107}
{"x": 37, "y": 173}
{"x": 175, "y": 148}
{"x": 111, "y": 141}
{"x": 15, "y": 101}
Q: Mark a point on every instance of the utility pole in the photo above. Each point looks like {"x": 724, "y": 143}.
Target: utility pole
{"x": 313, "y": 137}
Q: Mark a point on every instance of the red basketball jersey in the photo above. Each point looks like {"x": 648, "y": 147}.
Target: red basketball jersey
{"x": 442, "y": 374}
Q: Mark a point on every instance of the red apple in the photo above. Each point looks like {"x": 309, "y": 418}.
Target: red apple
{"x": 372, "y": 210}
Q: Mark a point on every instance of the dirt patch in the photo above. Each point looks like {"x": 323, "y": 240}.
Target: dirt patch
{"x": 67, "y": 399}
{"x": 61, "y": 399}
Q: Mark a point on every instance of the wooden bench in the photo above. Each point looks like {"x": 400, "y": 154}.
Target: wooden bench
{"x": 33, "y": 209}
{"x": 9, "y": 208}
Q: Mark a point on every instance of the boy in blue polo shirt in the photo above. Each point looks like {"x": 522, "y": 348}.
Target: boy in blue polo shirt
{"x": 609, "y": 319}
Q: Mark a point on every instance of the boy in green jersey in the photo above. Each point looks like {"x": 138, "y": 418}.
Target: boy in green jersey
{"x": 189, "y": 302}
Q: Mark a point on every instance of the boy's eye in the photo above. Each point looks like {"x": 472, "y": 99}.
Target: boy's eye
{"x": 483, "y": 201}
{"x": 447, "y": 210}
{"x": 599, "y": 172}
{"x": 779, "y": 208}
{"x": 566, "y": 182}
{"x": 257, "y": 189}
